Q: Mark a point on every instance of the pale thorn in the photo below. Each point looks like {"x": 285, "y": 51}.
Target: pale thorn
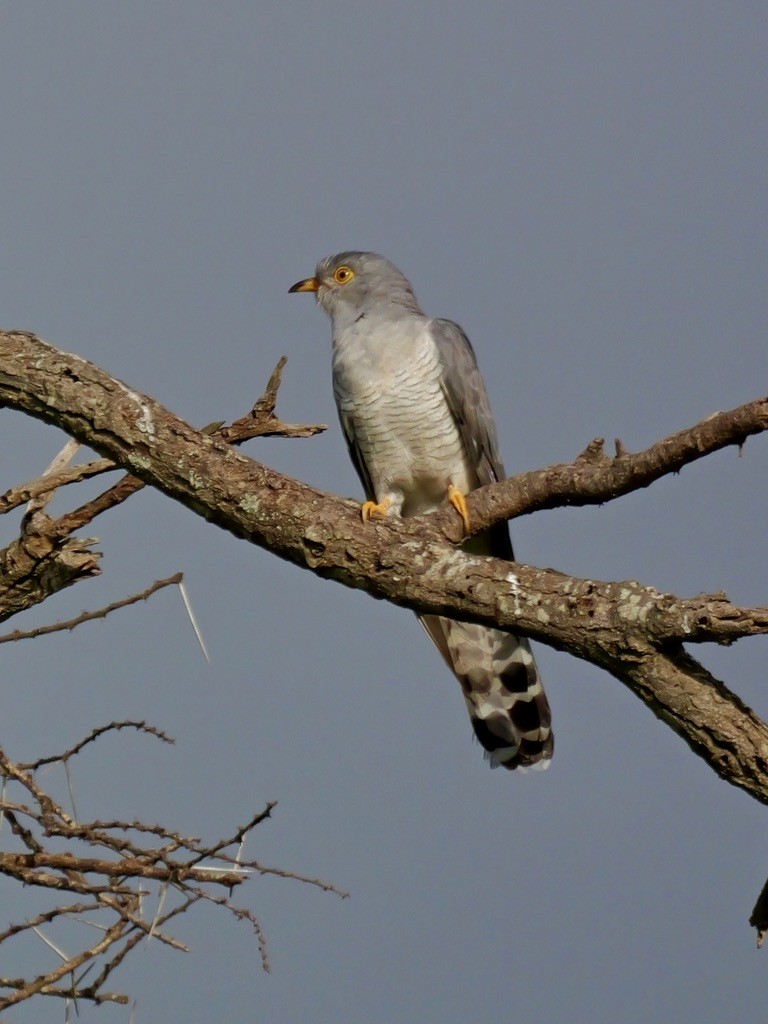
{"x": 160, "y": 905}
{"x": 71, "y": 789}
{"x": 85, "y": 920}
{"x": 57, "y": 464}
{"x": 50, "y": 944}
{"x": 63, "y": 459}
{"x": 215, "y": 872}
{"x": 193, "y": 620}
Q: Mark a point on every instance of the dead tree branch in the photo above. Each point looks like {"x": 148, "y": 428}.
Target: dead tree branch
{"x": 112, "y": 869}
{"x": 595, "y": 477}
{"x": 47, "y": 559}
{"x": 21, "y": 494}
{"x": 630, "y": 630}
{"x": 41, "y": 563}
{"x": 100, "y": 613}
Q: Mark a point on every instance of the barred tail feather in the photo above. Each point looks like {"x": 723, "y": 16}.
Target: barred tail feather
{"x": 505, "y": 699}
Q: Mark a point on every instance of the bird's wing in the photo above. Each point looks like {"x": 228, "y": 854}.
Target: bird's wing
{"x": 464, "y": 390}
{"x": 351, "y": 436}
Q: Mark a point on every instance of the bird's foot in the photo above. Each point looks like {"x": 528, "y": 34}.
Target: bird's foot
{"x": 459, "y": 502}
{"x": 370, "y": 508}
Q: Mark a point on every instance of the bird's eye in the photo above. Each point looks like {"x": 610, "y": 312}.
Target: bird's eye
{"x": 343, "y": 275}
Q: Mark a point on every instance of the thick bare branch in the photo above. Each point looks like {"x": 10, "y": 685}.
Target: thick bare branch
{"x": 630, "y": 630}
{"x": 28, "y": 579}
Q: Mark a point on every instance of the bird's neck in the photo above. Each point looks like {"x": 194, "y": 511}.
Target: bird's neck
{"x": 386, "y": 311}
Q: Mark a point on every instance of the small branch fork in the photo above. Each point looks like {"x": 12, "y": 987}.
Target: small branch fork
{"x": 46, "y": 558}
{"x": 105, "y": 874}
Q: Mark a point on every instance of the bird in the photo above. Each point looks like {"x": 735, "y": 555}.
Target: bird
{"x": 417, "y": 420}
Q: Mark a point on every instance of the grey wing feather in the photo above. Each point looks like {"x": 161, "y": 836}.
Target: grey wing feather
{"x": 464, "y": 389}
{"x": 467, "y": 398}
{"x": 347, "y": 425}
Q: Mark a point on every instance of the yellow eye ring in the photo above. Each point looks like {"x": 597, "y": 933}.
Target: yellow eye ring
{"x": 343, "y": 275}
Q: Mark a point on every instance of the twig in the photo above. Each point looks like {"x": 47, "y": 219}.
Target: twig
{"x": 181, "y": 870}
{"x": 94, "y": 734}
{"x": 101, "y": 613}
{"x": 22, "y": 493}
{"x": 261, "y": 420}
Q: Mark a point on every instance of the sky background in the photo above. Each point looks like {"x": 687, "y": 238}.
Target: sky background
{"x": 582, "y": 186}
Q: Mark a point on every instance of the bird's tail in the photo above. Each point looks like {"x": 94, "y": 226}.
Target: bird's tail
{"x": 507, "y": 705}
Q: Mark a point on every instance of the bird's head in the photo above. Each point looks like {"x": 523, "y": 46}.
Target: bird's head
{"x": 351, "y": 284}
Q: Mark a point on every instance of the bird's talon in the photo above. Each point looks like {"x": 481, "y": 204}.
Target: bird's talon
{"x": 371, "y": 508}
{"x": 459, "y": 502}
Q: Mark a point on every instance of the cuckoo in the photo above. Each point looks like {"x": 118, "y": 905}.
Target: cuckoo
{"x": 417, "y": 421}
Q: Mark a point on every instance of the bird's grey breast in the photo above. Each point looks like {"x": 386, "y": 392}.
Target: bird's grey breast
{"x": 387, "y": 385}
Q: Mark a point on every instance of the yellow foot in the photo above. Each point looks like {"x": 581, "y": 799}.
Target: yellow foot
{"x": 459, "y": 502}
{"x": 370, "y": 508}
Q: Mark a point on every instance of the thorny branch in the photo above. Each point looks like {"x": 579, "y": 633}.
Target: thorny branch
{"x": 631, "y": 630}
{"x": 100, "y": 613}
{"x": 114, "y": 870}
{"x": 115, "y": 867}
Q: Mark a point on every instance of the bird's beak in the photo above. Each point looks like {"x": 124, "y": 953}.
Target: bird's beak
{"x": 310, "y": 285}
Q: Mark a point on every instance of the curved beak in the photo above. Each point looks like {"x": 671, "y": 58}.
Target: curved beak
{"x": 311, "y": 284}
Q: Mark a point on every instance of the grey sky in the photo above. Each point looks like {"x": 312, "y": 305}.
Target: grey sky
{"x": 582, "y": 187}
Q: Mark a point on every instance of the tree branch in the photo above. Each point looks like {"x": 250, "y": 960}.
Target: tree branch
{"x": 630, "y": 630}
{"x": 101, "y": 613}
{"x": 113, "y": 865}
{"x": 595, "y": 477}
{"x": 23, "y": 493}
{"x": 40, "y": 563}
